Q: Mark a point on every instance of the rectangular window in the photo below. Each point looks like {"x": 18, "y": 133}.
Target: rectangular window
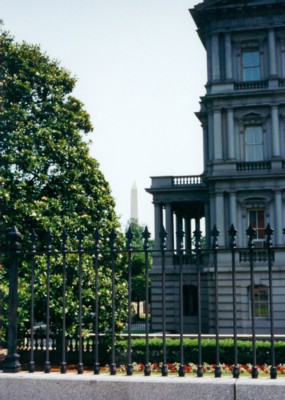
{"x": 261, "y": 301}
{"x": 251, "y": 65}
{"x": 253, "y": 143}
{"x": 257, "y": 221}
{"x": 190, "y": 300}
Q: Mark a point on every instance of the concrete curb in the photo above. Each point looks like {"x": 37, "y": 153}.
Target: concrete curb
{"x": 25, "y": 386}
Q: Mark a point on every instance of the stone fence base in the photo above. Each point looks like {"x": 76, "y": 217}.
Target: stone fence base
{"x": 25, "y": 386}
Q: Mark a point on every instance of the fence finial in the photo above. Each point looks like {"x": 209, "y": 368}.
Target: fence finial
{"x": 129, "y": 237}
{"x": 268, "y": 232}
{"x": 180, "y": 235}
{"x": 233, "y": 232}
{"x": 197, "y": 235}
{"x": 251, "y": 233}
{"x": 146, "y": 236}
{"x": 215, "y": 233}
{"x": 163, "y": 235}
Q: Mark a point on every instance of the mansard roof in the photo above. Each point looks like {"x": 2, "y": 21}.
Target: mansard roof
{"x": 218, "y": 4}
{"x": 204, "y": 13}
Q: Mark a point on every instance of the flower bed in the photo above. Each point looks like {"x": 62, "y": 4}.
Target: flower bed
{"x": 190, "y": 369}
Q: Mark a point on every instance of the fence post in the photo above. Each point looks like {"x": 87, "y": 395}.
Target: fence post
{"x": 12, "y": 363}
{"x": 215, "y": 233}
{"x": 197, "y": 236}
{"x": 163, "y": 236}
{"x": 251, "y": 233}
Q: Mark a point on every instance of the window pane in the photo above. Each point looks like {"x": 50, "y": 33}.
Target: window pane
{"x": 251, "y": 74}
{"x": 252, "y": 218}
{"x": 263, "y": 310}
{"x": 251, "y": 59}
{"x": 251, "y": 65}
{"x": 257, "y": 221}
{"x": 190, "y": 300}
{"x": 261, "y": 301}
{"x": 260, "y": 217}
{"x": 253, "y": 143}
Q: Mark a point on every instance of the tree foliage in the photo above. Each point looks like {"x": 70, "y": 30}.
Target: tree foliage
{"x": 138, "y": 263}
{"x": 48, "y": 181}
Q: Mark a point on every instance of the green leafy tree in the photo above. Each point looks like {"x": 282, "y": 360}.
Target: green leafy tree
{"x": 49, "y": 182}
{"x": 138, "y": 263}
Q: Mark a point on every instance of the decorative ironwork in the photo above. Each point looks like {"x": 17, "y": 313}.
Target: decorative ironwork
{"x": 146, "y": 236}
{"x": 12, "y": 363}
{"x": 48, "y": 342}
{"x": 268, "y": 243}
{"x": 215, "y": 233}
{"x": 233, "y": 245}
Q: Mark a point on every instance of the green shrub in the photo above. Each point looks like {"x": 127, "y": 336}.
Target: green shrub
{"x": 263, "y": 351}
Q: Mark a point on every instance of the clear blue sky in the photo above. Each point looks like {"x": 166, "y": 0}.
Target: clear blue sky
{"x": 141, "y": 69}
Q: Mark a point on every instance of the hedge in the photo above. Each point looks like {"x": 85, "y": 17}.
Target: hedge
{"x": 263, "y": 351}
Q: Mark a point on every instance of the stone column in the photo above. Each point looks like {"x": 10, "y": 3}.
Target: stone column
{"x": 188, "y": 235}
{"x": 209, "y": 55}
{"x": 230, "y": 135}
{"x": 272, "y": 52}
{"x": 217, "y": 115}
{"x": 197, "y": 223}
{"x": 179, "y": 223}
{"x": 233, "y": 209}
{"x": 169, "y": 226}
{"x": 157, "y": 224}
{"x": 278, "y": 218}
{"x": 215, "y": 58}
{"x": 220, "y": 217}
{"x": 282, "y": 43}
{"x": 207, "y": 223}
{"x": 275, "y": 131}
{"x": 205, "y": 143}
{"x": 228, "y": 54}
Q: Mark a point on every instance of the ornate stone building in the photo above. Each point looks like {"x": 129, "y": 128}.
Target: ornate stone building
{"x": 243, "y": 120}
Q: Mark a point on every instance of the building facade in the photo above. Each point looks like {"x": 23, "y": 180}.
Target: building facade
{"x": 242, "y": 115}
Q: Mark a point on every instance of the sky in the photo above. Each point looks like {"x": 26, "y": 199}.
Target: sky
{"x": 141, "y": 70}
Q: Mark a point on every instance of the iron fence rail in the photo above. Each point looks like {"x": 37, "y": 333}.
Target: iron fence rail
{"x": 16, "y": 254}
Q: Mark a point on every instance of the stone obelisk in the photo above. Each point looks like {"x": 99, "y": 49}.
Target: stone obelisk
{"x": 134, "y": 202}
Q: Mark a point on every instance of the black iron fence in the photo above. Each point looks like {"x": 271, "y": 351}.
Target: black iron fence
{"x": 49, "y": 269}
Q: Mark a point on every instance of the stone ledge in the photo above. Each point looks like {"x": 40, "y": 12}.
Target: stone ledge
{"x": 40, "y": 386}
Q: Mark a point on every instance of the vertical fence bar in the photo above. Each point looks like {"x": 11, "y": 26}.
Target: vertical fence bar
{"x": 12, "y": 363}
{"x": 251, "y": 235}
{"x": 269, "y": 232}
{"x": 233, "y": 233}
{"x": 146, "y": 236}
{"x": 180, "y": 235}
{"x": 32, "y": 367}
{"x": 96, "y": 367}
{"x": 112, "y": 237}
{"x": 197, "y": 235}
{"x": 48, "y": 253}
{"x": 80, "y": 348}
{"x": 215, "y": 233}
{"x": 129, "y": 236}
{"x": 163, "y": 236}
{"x": 63, "y": 365}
